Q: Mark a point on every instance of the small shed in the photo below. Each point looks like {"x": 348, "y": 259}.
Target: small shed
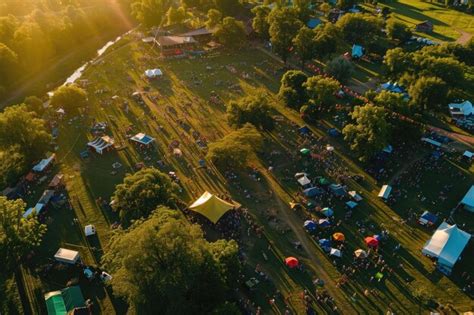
{"x": 67, "y": 256}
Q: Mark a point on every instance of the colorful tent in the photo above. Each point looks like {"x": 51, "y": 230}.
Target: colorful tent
{"x": 64, "y": 301}
{"x": 325, "y": 243}
{"x": 211, "y": 206}
{"x": 360, "y": 253}
{"x": 324, "y": 223}
{"x": 335, "y": 252}
{"x": 328, "y": 212}
{"x": 339, "y": 237}
{"x": 427, "y": 218}
{"x": 351, "y": 204}
{"x": 291, "y": 262}
{"x": 310, "y": 225}
{"x": 371, "y": 241}
{"x": 305, "y": 151}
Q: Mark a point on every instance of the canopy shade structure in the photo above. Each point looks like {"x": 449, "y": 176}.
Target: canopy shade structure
{"x": 56, "y": 181}
{"x": 100, "y": 145}
{"x": 337, "y": 190}
{"x": 89, "y": 230}
{"x": 142, "y": 139}
{"x": 36, "y": 209}
{"x": 309, "y": 225}
{"x": 153, "y": 73}
{"x": 371, "y": 241}
{"x": 303, "y": 181}
{"x": 67, "y": 256}
{"x": 432, "y": 142}
{"x": 338, "y": 237}
{"x": 305, "y": 151}
{"x": 328, "y": 212}
{"x": 44, "y": 163}
{"x": 357, "y": 51}
{"x": 385, "y": 191}
{"x": 468, "y": 155}
{"x": 468, "y": 200}
{"x": 291, "y": 262}
{"x": 312, "y": 192}
{"x": 335, "y": 252}
{"x": 324, "y": 223}
{"x": 461, "y": 109}
{"x": 211, "y": 206}
{"x": 446, "y": 244}
{"x": 64, "y": 301}
{"x": 351, "y": 204}
{"x": 427, "y": 218}
{"x": 325, "y": 242}
{"x": 360, "y": 253}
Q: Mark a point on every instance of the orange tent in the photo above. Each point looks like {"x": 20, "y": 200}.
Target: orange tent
{"x": 291, "y": 262}
{"x": 371, "y": 241}
{"x": 339, "y": 237}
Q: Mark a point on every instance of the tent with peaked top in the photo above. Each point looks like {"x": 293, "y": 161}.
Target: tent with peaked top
{"x": 211, "y": 206}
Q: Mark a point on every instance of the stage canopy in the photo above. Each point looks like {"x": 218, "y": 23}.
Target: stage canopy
{"x": 211, "y": 206}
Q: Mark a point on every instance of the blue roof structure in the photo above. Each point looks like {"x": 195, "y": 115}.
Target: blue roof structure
{"x": 324, "y": 242}
{"x": 309, "y": 225}
{"x": 313, "y": 23}
{"x": 351, "y": 204}
{"x": 357, "y": 51}
{"x": 429, "y": 217}
{"x": 304, "y": 130}
{"x": 312, "y": 192}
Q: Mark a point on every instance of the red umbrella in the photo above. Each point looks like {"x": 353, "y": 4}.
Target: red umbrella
{"x": 291, "y": 262}
{"x": 371, "y": 241}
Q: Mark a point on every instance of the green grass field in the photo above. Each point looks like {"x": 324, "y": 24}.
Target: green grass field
{"x": 448, "y": 23}
{"x": 183, "y": 95}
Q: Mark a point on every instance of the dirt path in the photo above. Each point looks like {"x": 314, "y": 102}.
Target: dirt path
{"x": 464, "y": 38}
{"x": 296, "y": 225}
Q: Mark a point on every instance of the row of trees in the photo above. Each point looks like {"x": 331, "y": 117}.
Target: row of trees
{"x": 28, "y": 43}
{"x": 432, "y": 75}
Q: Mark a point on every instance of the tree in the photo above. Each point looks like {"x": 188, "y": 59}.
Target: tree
{"x": 303, "y": 9}
{"x": 346, "y": 4}
{"x": 231, "y": 33}
{"x": 260, "y": 21}
{"x": 341, "y": 69}
{"x": 253, "y": 109}
{"x": 141, "y": 192}
{"x": 21, "y": 128}
{"x": 398, "y": 31}
{"x": 228, "y": 7}
{"x": 34, "y": 104}
{"x": 392, "y": 101}
{"x": 214, "y": 18}
{"x": 8, "y": 64}
{"x": 369, "y": 134}
{"x": 284, "y": 25}
{"x": 32, "y": 45}
{"x": 428, "y": 93}
{"x": 150, "y": 12}
{"x": 164, "y": 265}
{"x": 12, "y": 166}
{"x": 70, "y": 98}
{"x": 325, "y": 40}
{"x": 397, "y": 62}
{"x": 175, "y": 15}
{"x": 322, "y": 90}
{"x": 447, "y": 69}
{"x": 292, "y": 92}
{"x": 359, "y": 28}
{"x": 235, "y": 149}
{"x": 304, "y": 45}
{"x": 18, "y": 235}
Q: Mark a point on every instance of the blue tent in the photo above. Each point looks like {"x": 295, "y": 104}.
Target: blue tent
{"x": 357, "y": 51}
{"x": 337, "y": 189}
{"x": 428, "y": 218}
{"x": 325, "y": 244}
{"x": 313, "y": 23}
{"x": 304, "y": 130}
{"x": 333, "y": 132}
{"x": 312, "y": 192}
{"x": 328, "y": 212}
{"x": 310, "y": 225}
{"x": 324, "y": 223}
{"x": 351, "y": 204}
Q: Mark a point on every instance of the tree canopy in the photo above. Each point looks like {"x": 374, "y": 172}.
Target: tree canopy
{"x": 359, "y": 28}
{"x": 260, "y": 21}
{"x": 214, "y": 18}
{"x": 322, "y": 90}
{"x": 292, "y": 92}
{"x": 18, "y": 235}
{"x": 69, "y": 97}
{"x": 150, "y": 12}
{"x": 253, "y": 109}
{"x": 304, "y": 45}
{"x": 231, "y": 33}
{"x": 236, "y": 148}
{"x": 428, "y": 93}
{"x": 284, "y": 25}
{"x": 341, "y": 69}
{"x": 370, "y": 131}
{"x": 164, "y": 265}
{"x": 398, "y": 31}
{"x": 141, "y": 192}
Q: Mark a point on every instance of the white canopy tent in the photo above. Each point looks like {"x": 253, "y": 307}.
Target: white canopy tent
{"x": 100, "y": 145}
{"x": 446, "y": 244}
{"x": 44, "y": 163}
{"x": 303, "y": 181}
{"x": 67, "y": 256}
{"x": 385, "y": 191}
{"x": 89, "y": 230}
{"x": 153, "y": 73}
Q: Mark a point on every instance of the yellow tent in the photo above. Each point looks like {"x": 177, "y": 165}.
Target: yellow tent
{"x": 212, "y": 207}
